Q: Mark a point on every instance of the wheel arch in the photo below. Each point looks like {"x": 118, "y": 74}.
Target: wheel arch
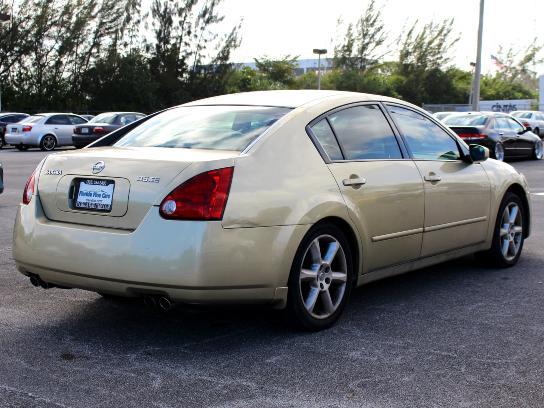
{"x": 354, "y": 244}
{"x": 518, "y": 190}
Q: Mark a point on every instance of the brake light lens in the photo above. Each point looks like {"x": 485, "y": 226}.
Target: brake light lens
{"x": 471, "y": 136}
{"x": 526, "y": 124}
{"x": 27, "y": 128}
{"x": 28, "y": 192}
{"x": 203, "y": 197}
{"x": 99, "y": 129}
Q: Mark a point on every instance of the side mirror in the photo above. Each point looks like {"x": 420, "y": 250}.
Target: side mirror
{"x": 478, "y": 153}
{"x": 525, "y": 130}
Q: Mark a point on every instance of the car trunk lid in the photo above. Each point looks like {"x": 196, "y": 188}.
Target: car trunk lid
{"x": 469, "y": 133}
{"x": 113, "y": 187}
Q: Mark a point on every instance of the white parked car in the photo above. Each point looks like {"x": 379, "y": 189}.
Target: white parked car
{"x": 44, "y": 130}
{"x": 531, "y": 119}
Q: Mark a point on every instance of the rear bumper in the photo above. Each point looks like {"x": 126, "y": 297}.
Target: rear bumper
{"x": 84, "y": 140}
{"x": 20, "y": 139}
{"x": 195, "y": 262}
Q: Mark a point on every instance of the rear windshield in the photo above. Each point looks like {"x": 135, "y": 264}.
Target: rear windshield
{"x": 104, "y": 118}
{"x": 204, "y": 127}
{"x": 524, "y": 115}
{"x": 33, "y": 119}
{"x": 465, "y": 120}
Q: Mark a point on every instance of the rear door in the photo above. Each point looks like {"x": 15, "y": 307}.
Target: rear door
{"x": 457, "y": 193}
{"x": 381, "y": 186}
{"x": 62, "y": 127}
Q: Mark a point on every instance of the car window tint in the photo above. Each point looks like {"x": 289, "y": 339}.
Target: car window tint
{"x": 58, "y": 120}
{"x": 502, "y": 123}
{"x": 365, "y": 134}
{"x": 76, "y": 120}
{"x": 323, "y": 132}
{"x": 11, "y": 118}
{"x": 426, "y": 140}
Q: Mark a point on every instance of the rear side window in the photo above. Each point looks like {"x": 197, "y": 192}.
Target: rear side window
{"x": 365, "y": 134}
{"x": 514, "y": 125}
{"x": 204, "y": 127}
{"x": 323, "y": 133}
{"x": 426, "y": 140}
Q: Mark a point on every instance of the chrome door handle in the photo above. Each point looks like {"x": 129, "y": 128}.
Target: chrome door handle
{"x": 354, "y": 181}
{"x": 432, "y": 177}
{"x": 501, "y": 134}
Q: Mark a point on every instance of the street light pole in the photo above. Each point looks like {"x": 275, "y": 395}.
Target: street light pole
{"x": 478, "y": 68}
{"x": 319, "y": 52}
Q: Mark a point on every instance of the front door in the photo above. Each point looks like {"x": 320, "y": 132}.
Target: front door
{"x": 382, "y": 189}
{"x": 457, "y": 193}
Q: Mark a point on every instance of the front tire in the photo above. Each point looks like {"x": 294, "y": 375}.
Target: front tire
{"x": 538, "y": 150}
{"x": 48, "y": 143}
{"x": 498, "y": 151}
{"x": 321, "y": 278}
{"x": 508, "y": 235}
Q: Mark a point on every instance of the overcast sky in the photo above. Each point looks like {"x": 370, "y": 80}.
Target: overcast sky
{"x": 279, "y": 27}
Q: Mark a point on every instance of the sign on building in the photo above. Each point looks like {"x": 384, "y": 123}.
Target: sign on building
{"x": 507, "y": 105}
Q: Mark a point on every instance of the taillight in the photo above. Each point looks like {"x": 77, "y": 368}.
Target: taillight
{"x": 203, "y": 197}
{"x": 99, "y": 129}
{"x": 471, "y": 136}
{"x": 28, "y": 192}
{"x": 27, "y": 128}
{"x": 526, "y": 124}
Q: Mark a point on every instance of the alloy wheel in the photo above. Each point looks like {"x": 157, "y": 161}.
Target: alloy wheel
{"x": 511, "y": 231}
{"x": 499, "y": 152}
{"x": 49, "y": 142}
{"x": 323, "y": 276}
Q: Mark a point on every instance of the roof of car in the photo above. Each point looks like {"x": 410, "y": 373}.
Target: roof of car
{"x": 282, "y": 98}
{"x": 12, "y": 113}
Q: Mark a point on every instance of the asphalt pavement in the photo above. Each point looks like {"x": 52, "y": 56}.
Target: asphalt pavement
{"x": 454, "y": 335}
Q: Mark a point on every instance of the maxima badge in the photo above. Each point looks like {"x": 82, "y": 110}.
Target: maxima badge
{"x": 98, "y": 167}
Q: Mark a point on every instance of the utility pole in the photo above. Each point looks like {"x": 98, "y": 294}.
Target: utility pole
{"x": 478, "y": 68}
{"x": 319, "y": 52}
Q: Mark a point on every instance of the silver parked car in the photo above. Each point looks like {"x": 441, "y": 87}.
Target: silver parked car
{"x": 44, "y": 130}
{"x": 531, "y": 119}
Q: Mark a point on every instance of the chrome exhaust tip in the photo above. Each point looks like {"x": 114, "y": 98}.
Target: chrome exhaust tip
{"x": 165, "y": 304}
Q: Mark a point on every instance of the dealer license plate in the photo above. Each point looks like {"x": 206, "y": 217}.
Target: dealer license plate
{"x": 94, "y": 194}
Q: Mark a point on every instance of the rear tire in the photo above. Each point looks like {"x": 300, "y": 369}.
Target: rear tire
{"x": 537, "y": 131}
{"x": 508, "y": 234}
{"x": 2, "y": 142}
{"x": 48, "y": 143}
{"x": 321, "y": 278}
{"x": 498, "y": 151}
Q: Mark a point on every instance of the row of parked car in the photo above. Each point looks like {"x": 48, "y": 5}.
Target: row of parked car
{"x": 507, "y": 136}
{"x": 49, "y": 130}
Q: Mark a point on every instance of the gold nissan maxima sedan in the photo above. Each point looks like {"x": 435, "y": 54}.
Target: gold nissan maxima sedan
{"x": 291, "y": 198}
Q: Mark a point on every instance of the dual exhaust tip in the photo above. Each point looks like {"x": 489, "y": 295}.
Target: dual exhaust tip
{"x": 161, "y": 303}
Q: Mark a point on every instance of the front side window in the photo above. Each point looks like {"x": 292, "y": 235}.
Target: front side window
{"x": 365, "y": 134}
{"x": 426, "y": 140}
{"x": 323, "y": 133}
{"x": 515, "y": 126}
{"x": 501, "y": 123}
{"x": 76, "y": 120}
{"x": 204, "y": 127}
{"x": 58, "y": 120}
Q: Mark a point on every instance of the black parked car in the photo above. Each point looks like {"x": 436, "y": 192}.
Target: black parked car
{"x": 504, "y": 135}
{"x": 102, "y": 125}
{"x": 7, "y": 118}
{"x": 1, "y": 179}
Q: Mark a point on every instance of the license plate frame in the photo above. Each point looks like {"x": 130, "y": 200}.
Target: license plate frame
{"x": 98, "y": 195}
{"x": 85, "y": 131}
